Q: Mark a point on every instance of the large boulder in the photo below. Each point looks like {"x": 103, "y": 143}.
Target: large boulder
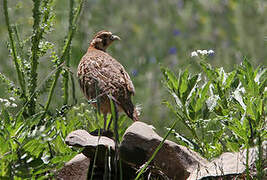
{"x": 139, "y": 143}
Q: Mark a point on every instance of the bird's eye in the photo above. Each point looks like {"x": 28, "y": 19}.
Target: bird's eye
{"x": 104, "y": 36}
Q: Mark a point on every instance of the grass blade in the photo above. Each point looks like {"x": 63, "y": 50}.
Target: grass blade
{"x": 156, "y": 151}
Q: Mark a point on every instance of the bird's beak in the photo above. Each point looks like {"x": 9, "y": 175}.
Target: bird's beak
{"x": 114, "y": 37}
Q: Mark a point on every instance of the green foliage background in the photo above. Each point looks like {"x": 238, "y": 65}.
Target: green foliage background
{"x": 153, "y": 33}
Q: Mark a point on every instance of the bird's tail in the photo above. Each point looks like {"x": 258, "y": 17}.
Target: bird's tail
{"x": 131, "y": 111}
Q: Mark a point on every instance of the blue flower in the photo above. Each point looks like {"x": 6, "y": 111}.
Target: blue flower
{"x": 152, "y": 60}
{"x": 211, "y": 52}
{"x": 172, "y": 50}
{"x": 176, "y": 32}
{"x": 134, "y": 72}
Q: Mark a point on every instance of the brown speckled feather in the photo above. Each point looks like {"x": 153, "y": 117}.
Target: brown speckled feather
{"x": 98, "y": 70}
{"x": 110, "y": 74}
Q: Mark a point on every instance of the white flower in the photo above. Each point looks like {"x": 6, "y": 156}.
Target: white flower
{"x": 7, "y": 104}
{"x": 194, "y": 53}
{"x": 80, "y": 114}
{"x": 76, "y": 108}
{"x": 82, "y": 104}
{"x": 210, "y": 51}
{"x": 1, "y": 100}
{"x": 199, "y": 51}
{"x": 14, "y": 105}
{"x": 204, "y": 52}
{"x": 12, "y": 99}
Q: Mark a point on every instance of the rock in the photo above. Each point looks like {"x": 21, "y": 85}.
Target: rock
{"x": 105, "y": 155}
{"x": 228, "y": 165}
{"x": 75, "y": 169}
{"x": 139, "y": 143}
{"x": 81, "y": 138}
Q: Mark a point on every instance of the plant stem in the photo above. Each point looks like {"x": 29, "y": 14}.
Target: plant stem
{"x": 92, "y": 167}
{"x": 247, "y": 165}
{"x": 73, "y": 89}
{"x": 114, "y": 113}
{"x": 34, "y": 56}
{"x": 14, "y": 52}
{"x": 64, "y": 54}
{"x": 67, "y": 62}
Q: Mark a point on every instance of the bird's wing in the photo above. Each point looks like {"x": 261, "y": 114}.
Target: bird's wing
{"x": 117, "y": 74}
{"x": 109, "y": 73}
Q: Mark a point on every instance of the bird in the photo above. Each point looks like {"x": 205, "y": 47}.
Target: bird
{"x": 101, "y": 76}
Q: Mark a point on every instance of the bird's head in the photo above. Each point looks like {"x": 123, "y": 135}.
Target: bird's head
{"x": 103, "y": 39}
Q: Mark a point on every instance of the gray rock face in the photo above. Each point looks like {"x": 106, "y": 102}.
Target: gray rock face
{"x": 139, "y": 143}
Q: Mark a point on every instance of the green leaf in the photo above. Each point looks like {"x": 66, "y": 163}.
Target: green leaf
{"x": 208, "y": 70}
{"x": 233, "y": 146}
{"x": 184, "y": 82}
{"x": 170, "y": 78}
{"x": 62, "y": 158}
{"x": 238, "y": 129}
{"x": 247, "y": 66}
{"x": 177, "y": 100}
{"x": 192, "y": 85}
{"x": 4, "y": 145}
{"x": 173, "y": 79}
{"x": 230, "y": 78}
{"x": 221, "y": 76}
{"x": 237, "y": 94}
{"x": 202, "y": 97}
{"x": 6, "y": 116}
{"x": 260, "y": 72}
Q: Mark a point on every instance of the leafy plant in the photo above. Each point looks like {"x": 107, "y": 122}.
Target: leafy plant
{"x": 221, "y": 111}
{"x": 32, "y": 143}
{"x": 27, "y": 68}
{"x": 28, "y": 151}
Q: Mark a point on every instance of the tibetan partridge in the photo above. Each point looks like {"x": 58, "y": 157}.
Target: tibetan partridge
{"x": 100, "y": 76}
